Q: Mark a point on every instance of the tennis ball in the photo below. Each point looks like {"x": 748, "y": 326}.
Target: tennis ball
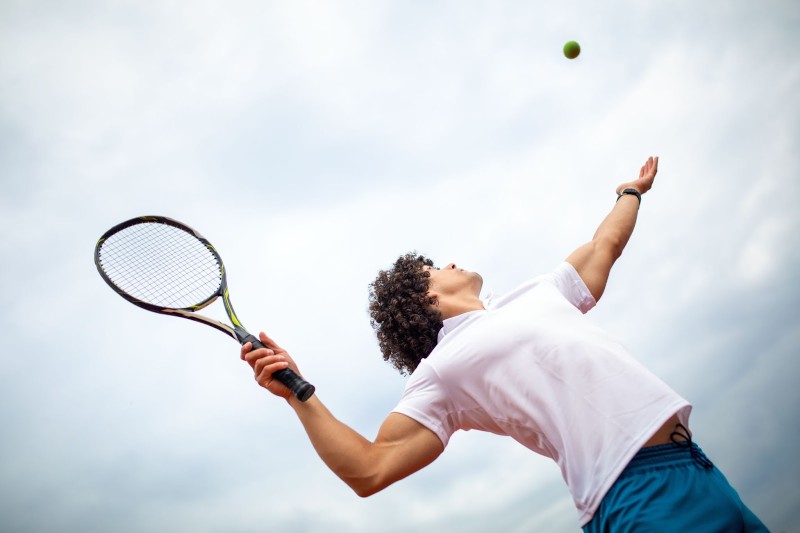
{"x": 572, "y": 50}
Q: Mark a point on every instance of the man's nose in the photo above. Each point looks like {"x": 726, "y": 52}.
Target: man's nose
{"x": 451, "y": 266}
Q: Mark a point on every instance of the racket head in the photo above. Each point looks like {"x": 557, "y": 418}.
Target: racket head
{"x": 165, "y": 266}
{"x": 160, "y": 264}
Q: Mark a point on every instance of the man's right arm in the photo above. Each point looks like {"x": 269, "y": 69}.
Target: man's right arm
{"x": 401, "y": 447}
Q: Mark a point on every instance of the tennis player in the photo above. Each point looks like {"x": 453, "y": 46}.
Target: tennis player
{"x": 529, "y": 365}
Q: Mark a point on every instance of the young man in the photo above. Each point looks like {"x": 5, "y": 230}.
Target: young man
{"x": 528, "y": 365}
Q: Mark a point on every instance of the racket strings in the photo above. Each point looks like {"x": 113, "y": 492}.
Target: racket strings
{"x": 161, "y": 265}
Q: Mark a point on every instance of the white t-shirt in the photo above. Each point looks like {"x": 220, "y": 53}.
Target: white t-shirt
{"x": 532, "y": 367}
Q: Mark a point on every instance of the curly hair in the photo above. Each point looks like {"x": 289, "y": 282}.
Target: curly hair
{"x": 401, "y": 312}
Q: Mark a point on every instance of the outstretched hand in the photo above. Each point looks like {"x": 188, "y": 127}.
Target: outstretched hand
{"x": 647, "y": 175}
{"x": 266, "y": 361}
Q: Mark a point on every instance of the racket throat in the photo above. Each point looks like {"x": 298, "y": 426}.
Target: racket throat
{"x": 239, "y": 332}
{"x": 244, "y": 336}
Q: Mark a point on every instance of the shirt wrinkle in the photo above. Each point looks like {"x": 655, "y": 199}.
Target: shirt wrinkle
{"x": 532, "y": 367}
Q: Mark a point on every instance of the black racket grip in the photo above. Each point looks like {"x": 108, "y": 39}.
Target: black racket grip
{"x": 301, "y": 388}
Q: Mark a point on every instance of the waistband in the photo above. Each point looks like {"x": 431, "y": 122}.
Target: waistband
{"x": 685, "y": 453}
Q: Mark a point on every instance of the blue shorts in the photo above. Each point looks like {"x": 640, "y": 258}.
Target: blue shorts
{"x": 672, "y": 488}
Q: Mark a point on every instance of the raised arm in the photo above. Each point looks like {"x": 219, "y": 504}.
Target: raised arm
{"x": 401, "y": 447}
{"x": 594, "y": 260}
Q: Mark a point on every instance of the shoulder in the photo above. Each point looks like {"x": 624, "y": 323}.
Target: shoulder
{"x": 564, "y": 278}
{"x": 567, "y": 280}
{"x": 425, "y": 400}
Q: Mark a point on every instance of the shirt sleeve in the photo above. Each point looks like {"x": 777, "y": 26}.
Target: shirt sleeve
{"x": 426, "y": 401}
{"x": 571, "y": 285}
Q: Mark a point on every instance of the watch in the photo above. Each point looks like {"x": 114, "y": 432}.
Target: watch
{"x": 632, "y": 191}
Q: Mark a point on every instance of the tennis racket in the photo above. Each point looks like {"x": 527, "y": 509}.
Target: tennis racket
{"x": 164, "y": 266}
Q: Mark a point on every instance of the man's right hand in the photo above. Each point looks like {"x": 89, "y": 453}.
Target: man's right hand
{"x": 266, "y": 361}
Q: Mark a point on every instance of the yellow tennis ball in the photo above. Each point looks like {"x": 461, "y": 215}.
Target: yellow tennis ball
{"x": 572, "y": 49}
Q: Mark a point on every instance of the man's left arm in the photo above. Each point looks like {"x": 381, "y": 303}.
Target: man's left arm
{"x": 593, "y": 260}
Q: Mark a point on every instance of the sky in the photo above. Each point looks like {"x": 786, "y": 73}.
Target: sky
{"x": 313, "y": 143}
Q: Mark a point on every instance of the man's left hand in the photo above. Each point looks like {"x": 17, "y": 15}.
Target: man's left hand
{"x": 646, "y": 177}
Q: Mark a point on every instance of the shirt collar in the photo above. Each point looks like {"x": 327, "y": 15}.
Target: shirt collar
{"x": 452, "y": 323}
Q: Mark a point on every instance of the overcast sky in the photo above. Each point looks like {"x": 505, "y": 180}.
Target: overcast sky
{"x": 313, "y": 143}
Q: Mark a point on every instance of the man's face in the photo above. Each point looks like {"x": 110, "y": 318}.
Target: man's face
{"x": 453, "y": 281}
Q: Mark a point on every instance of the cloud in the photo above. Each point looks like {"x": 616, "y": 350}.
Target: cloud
{"x": 312, "y": 143}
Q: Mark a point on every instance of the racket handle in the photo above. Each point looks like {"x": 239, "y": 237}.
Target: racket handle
{"x": 301, "y": 388}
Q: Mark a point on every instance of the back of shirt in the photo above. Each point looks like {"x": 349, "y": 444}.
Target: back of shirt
{"x": 532, "y": 367}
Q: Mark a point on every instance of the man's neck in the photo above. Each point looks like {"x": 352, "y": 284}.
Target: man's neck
{"x": 454, "y": 307}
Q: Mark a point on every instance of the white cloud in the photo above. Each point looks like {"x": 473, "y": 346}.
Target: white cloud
{"x": 313, "y": 143}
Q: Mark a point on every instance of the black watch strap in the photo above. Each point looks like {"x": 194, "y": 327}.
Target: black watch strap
{"x": 634, "y": 192}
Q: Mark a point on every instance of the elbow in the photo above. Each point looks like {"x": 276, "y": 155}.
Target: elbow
{"x": 364, "y": 487}
{"x": 365, "y": 492}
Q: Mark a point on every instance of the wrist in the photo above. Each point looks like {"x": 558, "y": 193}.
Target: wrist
{"x": 631, "y": 192}
{"x": 297, "y": 404}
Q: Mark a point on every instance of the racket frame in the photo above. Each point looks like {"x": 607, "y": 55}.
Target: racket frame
{"x": 237, "y": 330}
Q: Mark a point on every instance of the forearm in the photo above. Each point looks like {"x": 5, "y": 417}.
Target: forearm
{"x": 616, "y": 229}
{"x": 342, "y": 449}
{"x": 402, "y": 446}
{"x": 593, "y": 260}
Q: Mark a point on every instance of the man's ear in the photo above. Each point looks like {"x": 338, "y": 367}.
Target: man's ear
{"x": 435, "y": 296}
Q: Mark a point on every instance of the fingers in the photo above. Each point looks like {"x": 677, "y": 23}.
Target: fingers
{"x": 246, "y": 347}
{"x": 650, "y": 167}
{"x": 647, "y": 175}
{"x": 265, "y": 340}
{"x": 252, "y": 356}
{"x": 268, "y": 365}
{"x": 246, "y": 353}
{"x": 264, "y": 363}
{"x": 269, "y": 343}
{"x": 645, "y": 170}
